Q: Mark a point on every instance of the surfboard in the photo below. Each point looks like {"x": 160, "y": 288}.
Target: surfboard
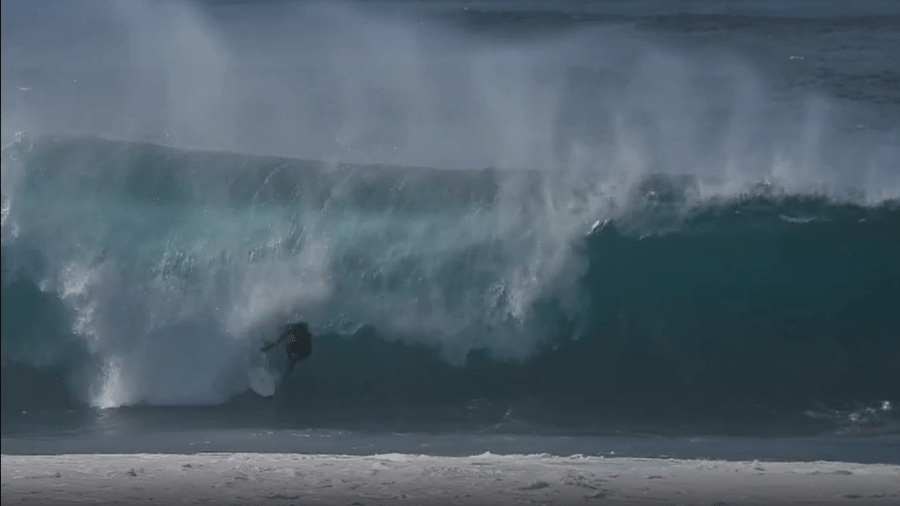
{"x": 261, "y": 381}
{"x": 267, "y": 371}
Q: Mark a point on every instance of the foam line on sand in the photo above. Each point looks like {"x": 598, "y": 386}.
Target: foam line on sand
{"x": 395, "y": 479}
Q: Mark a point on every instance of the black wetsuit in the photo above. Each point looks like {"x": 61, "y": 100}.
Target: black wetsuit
{"x": 298, "y": 348}
{"x": 300, "y": 345}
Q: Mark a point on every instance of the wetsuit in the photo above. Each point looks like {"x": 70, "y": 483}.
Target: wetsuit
{"x": 300, "y": 345}
{"x": 298, "y": 348}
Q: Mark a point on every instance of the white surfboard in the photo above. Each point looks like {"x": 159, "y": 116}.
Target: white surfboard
{"x": 261, "y": 381}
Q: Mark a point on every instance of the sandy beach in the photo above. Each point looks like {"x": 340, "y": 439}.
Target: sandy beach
{"x": 395, "y": 479}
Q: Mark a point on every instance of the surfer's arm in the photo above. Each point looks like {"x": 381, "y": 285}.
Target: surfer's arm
{"x": 269, "y": 346}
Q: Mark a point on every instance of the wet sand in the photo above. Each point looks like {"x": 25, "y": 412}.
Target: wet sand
{"x": 401, "y": 479}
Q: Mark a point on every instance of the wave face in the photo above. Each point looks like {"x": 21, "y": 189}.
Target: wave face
{"x": 582, "y": 221}
{"x": 159, "y": 271}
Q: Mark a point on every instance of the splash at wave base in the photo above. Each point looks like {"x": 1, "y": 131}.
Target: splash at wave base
{"x": 136, "y": 274}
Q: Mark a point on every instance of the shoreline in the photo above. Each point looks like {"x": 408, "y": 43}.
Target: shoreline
{"x": 407, "y": 479}
{"x": 156, "y": 439}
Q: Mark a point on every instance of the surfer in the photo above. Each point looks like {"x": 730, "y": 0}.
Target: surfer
{"x": 298, "y": 348}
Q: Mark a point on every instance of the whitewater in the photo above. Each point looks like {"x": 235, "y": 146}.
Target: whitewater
{"x": 602, "y": 210}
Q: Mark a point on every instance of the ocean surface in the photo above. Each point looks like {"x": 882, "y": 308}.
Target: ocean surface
{"x": 642, "y": 227}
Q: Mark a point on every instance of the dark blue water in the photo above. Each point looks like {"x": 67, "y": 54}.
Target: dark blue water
{"x": 602, "y": 220}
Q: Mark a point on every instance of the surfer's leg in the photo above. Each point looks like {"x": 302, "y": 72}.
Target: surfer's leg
{"x": 288, "y": 371}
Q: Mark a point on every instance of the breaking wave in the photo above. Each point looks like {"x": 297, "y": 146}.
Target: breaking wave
{"x": 575, "y": 215}
{"x": 159, "y": 271}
